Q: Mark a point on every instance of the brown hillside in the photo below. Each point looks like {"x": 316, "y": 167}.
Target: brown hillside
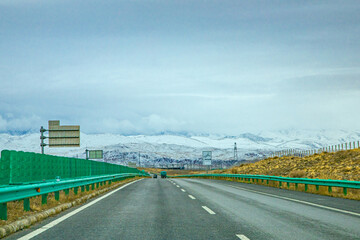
{"x": 342, "y": 165}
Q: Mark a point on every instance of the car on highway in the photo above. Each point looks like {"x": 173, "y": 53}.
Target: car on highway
{"x": 163, "y": 174}
{"x": 155, "y": 176}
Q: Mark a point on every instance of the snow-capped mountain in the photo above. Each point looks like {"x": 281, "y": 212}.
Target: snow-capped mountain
{"x": 164, "y": 149}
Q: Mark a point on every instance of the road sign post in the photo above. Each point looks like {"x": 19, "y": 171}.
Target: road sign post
{"x": 42, "y": 138}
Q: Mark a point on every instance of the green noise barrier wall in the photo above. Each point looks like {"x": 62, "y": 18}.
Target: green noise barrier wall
{"x": 27, "y": 167}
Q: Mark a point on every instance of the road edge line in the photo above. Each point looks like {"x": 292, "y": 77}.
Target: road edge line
{"x": 299, "y": 201}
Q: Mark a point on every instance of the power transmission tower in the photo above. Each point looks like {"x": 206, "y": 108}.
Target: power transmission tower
{"x": 235, "y": 152}
{"x": 139, "y": 160}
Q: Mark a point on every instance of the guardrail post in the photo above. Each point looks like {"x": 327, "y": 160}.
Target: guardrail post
{"x": 87, "y": 188}
{"x": 280, "y": 183}
{"x": 288, "y": 185}
{"x": 76, "y": 190}
{"x": 109, "y": 182}
{"x": 345, "y": 191}
{"x": 317, "y": 187}
{"x": 27, "y": 204}
{"x": 296, "y": 186}
{"x": 57, "y": 195}
{"x": 306, "y": 187}
{"x": 44, "y": 198}
{"x": 66, "y": 192}
{"x": 329, "y": 189}
{"x": 97, "y": 185}
{"x": 82, "y": 188}
{"x": 93, "y": 186}
{"x": 3, "y": 211}
{"x": 267, "y": 182}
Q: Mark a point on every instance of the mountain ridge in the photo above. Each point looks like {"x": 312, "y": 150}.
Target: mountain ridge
{"x": 177, "y": 148}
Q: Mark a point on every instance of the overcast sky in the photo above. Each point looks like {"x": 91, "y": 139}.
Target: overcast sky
{"x": 151, "y": 66}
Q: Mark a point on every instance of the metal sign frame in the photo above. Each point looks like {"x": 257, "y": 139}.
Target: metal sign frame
{"x": 63, "y": 136}
{"x": 60, "y": 136}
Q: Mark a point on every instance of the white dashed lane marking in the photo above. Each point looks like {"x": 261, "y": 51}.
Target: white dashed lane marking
{"x": 242, "y": 237}
{"x": 192, "y": 197}
{"x": 208, "y": 210}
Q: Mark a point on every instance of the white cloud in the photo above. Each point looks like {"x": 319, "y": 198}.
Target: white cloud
{"x": 19, "y": 124}
{"x": 191, "y": 69}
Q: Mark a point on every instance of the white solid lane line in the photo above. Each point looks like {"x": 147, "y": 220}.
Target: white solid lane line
{"x": 242, "y": 237}
{"x": 191, "y": 196}
{"x": 59, "y": 220}
{"x": 208, "y": 210}
{"x": 299, "y": 201}
{"x": 183, "y": 190}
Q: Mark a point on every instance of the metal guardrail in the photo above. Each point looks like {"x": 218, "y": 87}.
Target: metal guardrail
{"x": 345, "y": 184}
{"x": 26, "y": 191}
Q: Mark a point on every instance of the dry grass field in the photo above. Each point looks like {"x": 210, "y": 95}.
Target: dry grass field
{"x": 343, "y": 165}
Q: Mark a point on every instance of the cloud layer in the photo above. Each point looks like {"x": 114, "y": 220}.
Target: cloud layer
{"x": 146, "y": 67}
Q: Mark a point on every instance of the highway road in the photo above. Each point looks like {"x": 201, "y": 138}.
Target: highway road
{"x": 203, "y": 209}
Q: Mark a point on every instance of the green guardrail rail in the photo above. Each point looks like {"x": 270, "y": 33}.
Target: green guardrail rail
{"x": 24, "y": 175}
{"x": 25, "y": 192}
{"x": 345, "y": 184}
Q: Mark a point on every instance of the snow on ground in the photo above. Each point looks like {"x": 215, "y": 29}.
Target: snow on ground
{"x": 180, "y": 147}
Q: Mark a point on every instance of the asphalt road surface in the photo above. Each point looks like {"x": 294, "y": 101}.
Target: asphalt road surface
{"x": 203, "y": 209}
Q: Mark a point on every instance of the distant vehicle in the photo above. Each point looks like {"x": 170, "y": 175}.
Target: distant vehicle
{"x": 155, "y": 176}
{"x": 163, "y": 174}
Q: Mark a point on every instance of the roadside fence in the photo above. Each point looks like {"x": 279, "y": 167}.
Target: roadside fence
{"x": 302, "y": 153}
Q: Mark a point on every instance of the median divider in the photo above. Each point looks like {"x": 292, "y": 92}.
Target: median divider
{"x": 345, "y": 184}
